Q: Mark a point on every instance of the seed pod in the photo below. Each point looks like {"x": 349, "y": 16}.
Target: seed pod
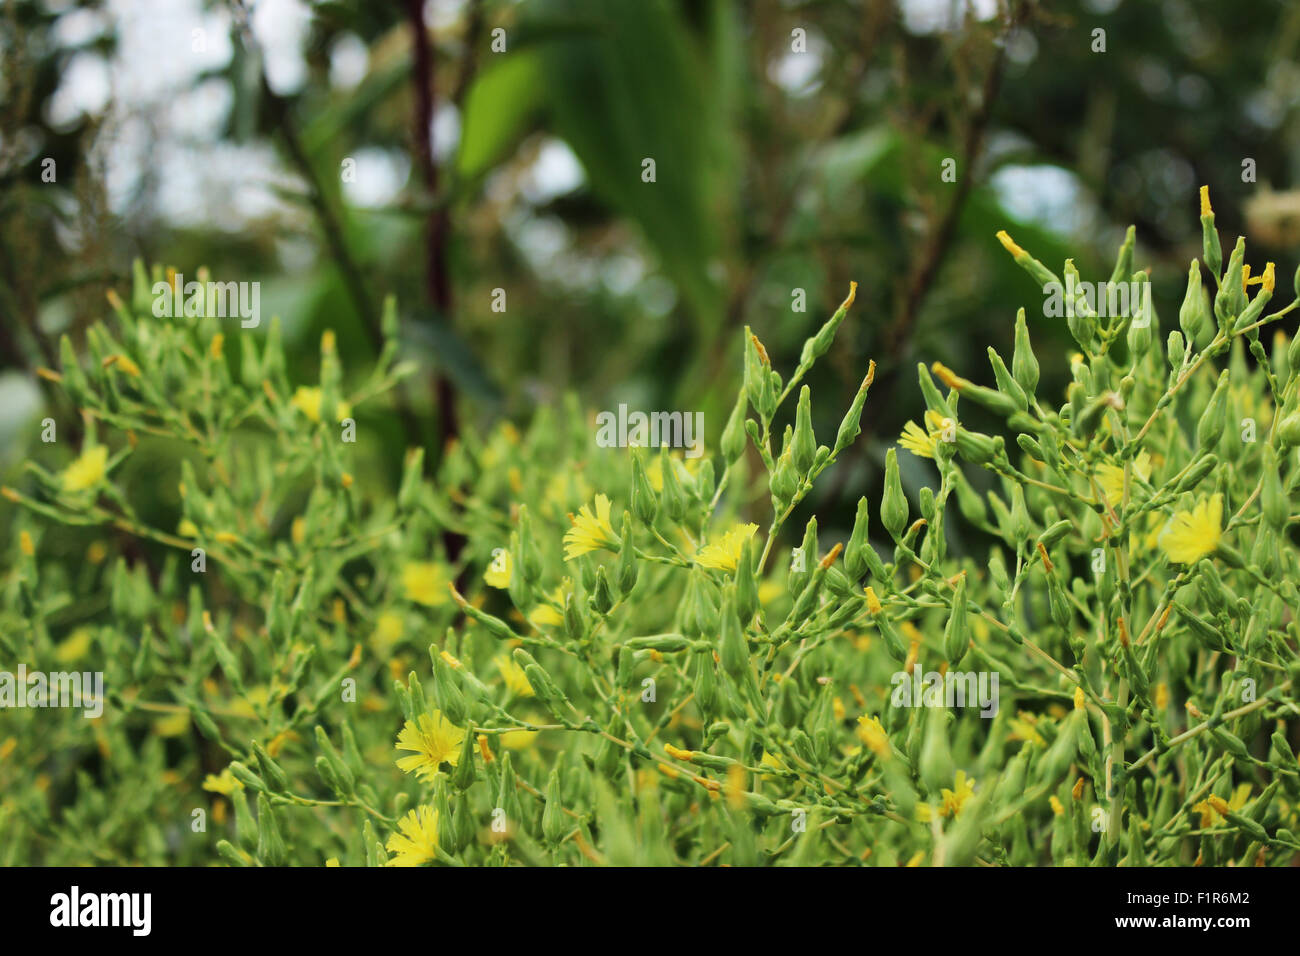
{"x": 1197, "y": 473}
{"x": 893, "y": 504}
{"x": 784, "y": 481}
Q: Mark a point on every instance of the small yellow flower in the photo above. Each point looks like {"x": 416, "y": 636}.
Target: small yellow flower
{"x": 1057, "y": 807}
{"x": 307, "y": 400}
{"x": 389, "y": 628}
{"x": 544, "y": 614}
{"x": 1111, "y": 477}
{"x": 872, "y": 733}
{"x": 224, "y": 783}
{"x": 88, "y": 470}
{"x": 1009, "y": 244}
{"x": 74, "y": 647}
{"x": 1191, "y": 535}
{"x": 418, "y": 842}
{"x": 953, "y": 800}
{"x": 425, "y": 583}
{"x": 924, "y": 442}
{"x": 590, "y": 532}
{"x": 173, "y": 725}
{"x": 434, "y": 739}
{"x": 332, "y": 861}
{"x": 498, "y": 573}
{"x": 724, "y": 553}
{"x": 513, "y": 675}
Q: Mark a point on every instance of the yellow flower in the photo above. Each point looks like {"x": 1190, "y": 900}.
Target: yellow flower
{"x": 1111, "y": 477}
{"x": 88, "y": 470}
{"x": 954, "y": 799}
{"x": 513, "y": 675}
{"x": 1022, "y": 728}
{"x": 173, "y": 725}
{"x": 418, "y": 841}
{"x": 590, "y": 532}
{"x": 1191, "y": 535}
{"x": 307, "y": 400}
{"x": 498, "y": 573}
{"x": 332, "y": 861}
{"x": 1214, "y": 809}
{"x": 389, "y": 628}
{"x": 224, "y": 783}
{"x": 544, "y": 615}
{"x": 425, "y": 583}
{"x": 724, "y": 553}
{"x": 74, "y": 648}
{"x": 872, "y": 733}
{"x": 435, "y": 740}
{"x": 924, "y": 442}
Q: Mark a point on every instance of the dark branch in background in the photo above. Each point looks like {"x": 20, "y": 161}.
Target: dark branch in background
{"x": 438, "y": 230}
{"x": 353, "y": 280}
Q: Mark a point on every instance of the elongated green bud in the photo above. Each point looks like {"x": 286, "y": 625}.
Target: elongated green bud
{"x": 815, "y": 347}
{"x": 1124, "y": 260}
{"x": 733, "y": 435}
{"x": 1231, "y": 297}
{"x": 1273, "y": 499}
{"x": 1212, "y": 421}
{"x": 270, "y": 845}
{"x": 935, "y": 761}
{"x": 746, "y": 583}
{"x": 1210, "y": 249}
{"x": 706, "y": 684}
{"x": 628, "y": 568}
{"x": 804, "y": 447}
{"x": 272, "y": 772}
{"x": 1024, "y": 365}
{"x": 955, "y": 634}
{"x": 554, "y": 826}
{"x": 801, "y": 564}
{"x": 893, "y": 504}
{"x": 1193, "y": 315}
{"x": 446, "y": 691}
{"x": 1007, "y": 383}
{"x": 850, "y": 426}
{"x": 855, "y": 557}
{"x": 645, "y": 503}
{"x": 462, "y": 778}
{"x": 734, "y": 652}
{"x": 934, "y": 400}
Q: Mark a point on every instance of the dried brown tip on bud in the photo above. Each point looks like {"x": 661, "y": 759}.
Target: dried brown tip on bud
{"x": 834, "y": 553}
{"x": 456, "y": 595}
{"x": 1123, "y": 632}
{"x": 1042, "y": 553}
{"x": 49, "y": 375}
{"x": 677, "y": 753}
{"x": 762, "y": 352}
{"x": 948, "y": 376}
{"x": 853, "y": 291}
{"x": 871, "y": 373}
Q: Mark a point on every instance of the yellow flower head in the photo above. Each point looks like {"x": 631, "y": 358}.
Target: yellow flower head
{"x": 425, "y": 583}
{"x": 418, "y": 841}
{"x": 1111, "y": 477}
{"x": 590, "y": 532}
{"x": 513, "y": 675}
{"x": 224, "y": 783}
{"x": 389, "y": 628}
{"x": 498, "y": 573}
{"x": 872, "y": 733}
{"x": 307, "y": 400}
{"x": 923, "y": 442}
{"x": 434, "y": 739}
{"x": 724, "y": 553}
{"x": 544, "y": 614}
{"x": 963, "y": 789}
{"x": 1191, "y": 535}
{"x": 88, "y": 470}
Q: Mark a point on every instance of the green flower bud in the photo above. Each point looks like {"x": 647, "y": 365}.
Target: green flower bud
{"x": 645, "y": 503}
{"x": 1273, "y": 499}
{"x": 893, "y": 504}
{"x": 746, "y": 580}
{"x": 462, "y": 778}
{"x": 801, "y": 570}
{"x": 935, "y": 761}
{"x": 272, "y": 772}
{"x": 628, "y": 568}
{"x": 270, "y": 845}
{"x": 1024, "y": 365}
{"x": 956, "y": 638}
{"x": 735, "y": 652}
{"x": 804, "y": 447}
{"x": 1194, "y": 313}
{"x": 733, "y": 435}
{"x": 1215, "y": 417}
{"x": 850, "y": 426}
{"x": 1007, "y": 383}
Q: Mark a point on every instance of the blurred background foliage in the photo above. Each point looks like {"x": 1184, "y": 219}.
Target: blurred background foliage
{"x": 444, "y": 150}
